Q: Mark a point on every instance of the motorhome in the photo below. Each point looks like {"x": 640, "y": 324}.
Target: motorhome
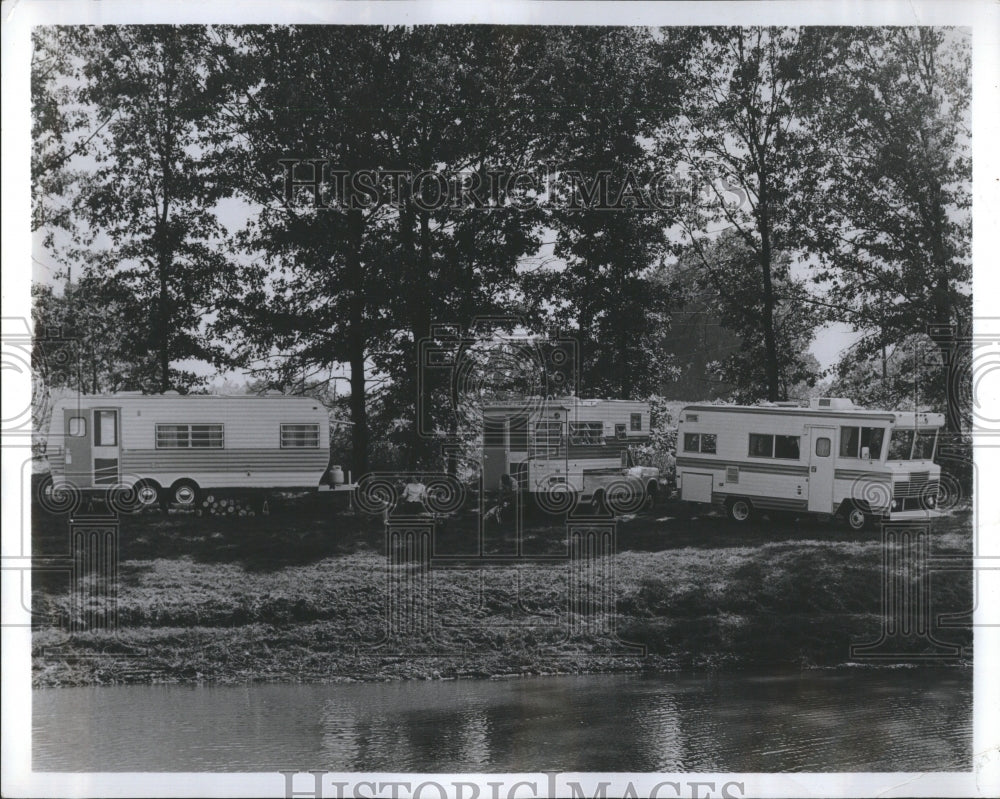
{"x": 832, "y": 458}
{"x": 568, "y": 446}
{"x": 170, "y": 447}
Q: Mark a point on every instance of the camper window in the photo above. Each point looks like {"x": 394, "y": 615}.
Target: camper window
{"x": 303, "y": 436}
{"x": 105, "y": 429}
{"x": 77, "y": 426}
{"x": 854, "y": 440}
{"x": 786, "y": 447}
{"x": 700, "y": 442}
{"x": 635, "y": 421}
{"x": 761, "y": 446}
{"x": 823, "y": 447}
{"x": 586, "y": 432}
{"x": 769, "y": 446}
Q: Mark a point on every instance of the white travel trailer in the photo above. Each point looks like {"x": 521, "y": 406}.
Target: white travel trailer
{"x": 829, "y": 458}
{"x": 169, "y": 447}
{"x": 554, "y": 448}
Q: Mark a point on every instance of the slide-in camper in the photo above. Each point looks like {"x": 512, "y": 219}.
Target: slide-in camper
{"x": 582, "y": 444}
{"x": 830, "y": 458}
{"x": 172, "y": 446}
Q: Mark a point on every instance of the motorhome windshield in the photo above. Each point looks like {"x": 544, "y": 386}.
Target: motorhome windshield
{"x": 905, "y": 444}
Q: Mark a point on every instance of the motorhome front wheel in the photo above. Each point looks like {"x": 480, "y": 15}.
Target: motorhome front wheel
{"x": 857, "y": 519}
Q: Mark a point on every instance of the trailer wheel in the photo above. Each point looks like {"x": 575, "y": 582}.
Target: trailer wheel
{"x": 147, "y": 493}
{"x": 739, "y": 510}
{"x": 184, "y": 493}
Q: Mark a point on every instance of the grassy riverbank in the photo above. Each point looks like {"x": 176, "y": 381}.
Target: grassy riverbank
{"x": 231, "y": 600}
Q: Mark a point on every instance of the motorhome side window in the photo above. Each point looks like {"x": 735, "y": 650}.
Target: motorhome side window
{"x": 77, "y": 426}
{"x": 855, "y": 441}
{"x": 189, "y": 436}
{"x": 765, "y": 445}
{"x": 700, "y": 442}
{"x": 300, "y": 435}
{"x": 635, "y": 422}
{"x": 586, "y": 432}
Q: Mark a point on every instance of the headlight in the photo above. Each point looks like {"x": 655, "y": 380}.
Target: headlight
{"x": 930, "y": 502}
{"x": 895, "y": 504}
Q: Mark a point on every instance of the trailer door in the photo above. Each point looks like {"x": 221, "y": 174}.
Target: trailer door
{"x": 105, "y": 446}
{"x": 77, "y": 430}
{"x": 821, "y": 469}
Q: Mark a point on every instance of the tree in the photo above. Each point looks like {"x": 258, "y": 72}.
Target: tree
{"x": 738, "y": 144}
{"x": 607, "y": 96}
{"x": 716, "y": 277}
{"x": 888, "y": 114}
{"x": 144, "y": 211}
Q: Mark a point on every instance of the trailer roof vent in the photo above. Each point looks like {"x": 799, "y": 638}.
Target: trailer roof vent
{"x": 832, "y": 403}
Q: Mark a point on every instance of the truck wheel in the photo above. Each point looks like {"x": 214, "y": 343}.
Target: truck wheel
{"x": 739, "y": 510}
{"x": 857, "y": 519}
{"x": 184, "y": 493}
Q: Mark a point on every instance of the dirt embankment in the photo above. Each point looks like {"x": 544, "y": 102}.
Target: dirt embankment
{"x": 313, "y": 597}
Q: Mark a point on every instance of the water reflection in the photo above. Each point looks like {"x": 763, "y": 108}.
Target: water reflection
{"x": 897, "y": 719}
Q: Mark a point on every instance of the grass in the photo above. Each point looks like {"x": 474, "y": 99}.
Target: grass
{"x": 305, "y": 596}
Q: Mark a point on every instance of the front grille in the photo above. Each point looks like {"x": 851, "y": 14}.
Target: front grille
{"x": 918, "y": 485}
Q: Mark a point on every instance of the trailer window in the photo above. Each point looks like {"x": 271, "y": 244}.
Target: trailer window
{"x": 77, "y": 426}
{"x": 105, "y": 429}
{"x": 823, "y": 447}
{"x": 586, "y": 432}
{"x": 855, "y": 439}
{"x": 635, "y": 422}
{"x": 761, "y": 446}
{"x": 620, "y": 432}
{"x": 302, "y": 436}
{"x": 786, "y": 447}
{"x": 189, "y": 436}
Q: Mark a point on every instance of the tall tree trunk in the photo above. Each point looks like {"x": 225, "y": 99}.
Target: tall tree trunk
{"x": 356, "y": 343}
{"x": 163, "y": 337}
{"x": 770, "y": 348}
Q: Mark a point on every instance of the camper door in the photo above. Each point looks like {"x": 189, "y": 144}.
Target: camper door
{"x": 821, "y": 449}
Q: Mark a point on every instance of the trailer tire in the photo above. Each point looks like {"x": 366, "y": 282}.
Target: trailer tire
{"x": 148, "y": 493}
{"x": 739, "y": 510}
{"x": 184, "y": 493}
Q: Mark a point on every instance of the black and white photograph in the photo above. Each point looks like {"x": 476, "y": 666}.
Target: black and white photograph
{"x": 550, "y": 399}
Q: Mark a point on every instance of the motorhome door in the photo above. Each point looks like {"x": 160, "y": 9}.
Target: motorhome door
{"x": 105, "y": 446}
{"x": 821, "y": 442}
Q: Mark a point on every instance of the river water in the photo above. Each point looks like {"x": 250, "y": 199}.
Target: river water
{"x": 901, "y": 719}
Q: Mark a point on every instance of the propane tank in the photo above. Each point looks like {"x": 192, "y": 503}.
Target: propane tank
{"x": 336, "y": 475}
